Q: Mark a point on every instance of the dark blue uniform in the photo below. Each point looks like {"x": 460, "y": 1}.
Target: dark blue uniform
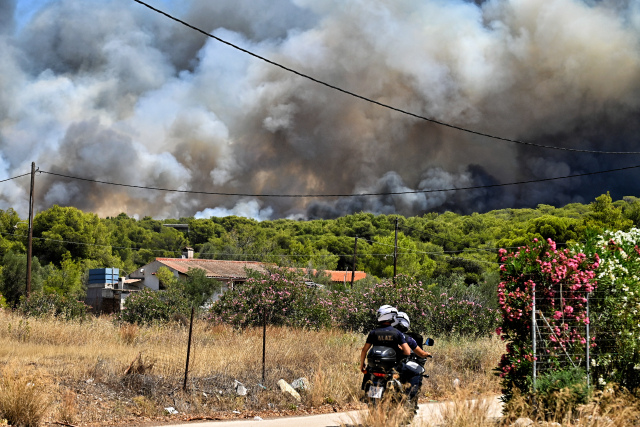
{"x": 414, "y": 380}
{"x": 387, "y": 336}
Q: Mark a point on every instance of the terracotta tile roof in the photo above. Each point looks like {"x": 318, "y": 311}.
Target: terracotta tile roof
{"x": 213, "y": 267}
{"x": 341, "y": 276}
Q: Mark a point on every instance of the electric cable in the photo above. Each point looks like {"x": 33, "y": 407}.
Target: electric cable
{"x": 14, "y": 177}
{"x": 216, "y": 193}
{"x": 381, "y": 104}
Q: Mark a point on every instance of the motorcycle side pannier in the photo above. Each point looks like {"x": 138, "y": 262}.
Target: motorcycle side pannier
{"x": 381, "y": 357}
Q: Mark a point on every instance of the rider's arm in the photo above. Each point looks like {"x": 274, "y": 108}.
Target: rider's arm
{"x": 406, "y": 350}
{"x": 421, "y": 353}
{"x": 363, "y": 355}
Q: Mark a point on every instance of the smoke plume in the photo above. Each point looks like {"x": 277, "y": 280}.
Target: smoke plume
{"x": 113, "y": 91}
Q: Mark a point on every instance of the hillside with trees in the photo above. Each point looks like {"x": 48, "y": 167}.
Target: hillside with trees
{"x": 445, "y": 249}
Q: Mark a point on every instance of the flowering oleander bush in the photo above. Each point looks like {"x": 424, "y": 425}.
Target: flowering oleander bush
{"x": 615, "y": 308}
{"x": 288, "y": 301}
{"x": 431, "y": 313}
{"x": 285, "y": 300}
{"x": 53, "y": 304}
{"x": 561, "y": 280}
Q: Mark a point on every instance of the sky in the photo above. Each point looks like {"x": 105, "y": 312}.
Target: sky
{"x": 112, "y": 91}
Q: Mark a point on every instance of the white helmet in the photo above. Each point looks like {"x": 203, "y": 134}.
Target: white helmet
{"x": 402, "y": 322}
{"x": 386, "y": 313}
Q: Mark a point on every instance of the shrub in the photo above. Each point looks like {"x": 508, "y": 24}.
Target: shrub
{"x": 285, "y": 299}
{"x": 23, "y": 397}
{"x": 40, "y": 304}
{"x": 616, "y": 307}
{"x": 289, "y": 302}
{"x": 561, "y": 280}
{"x": 559, "y": 393}
{"x": 148, "y": 306}
{"x": 431, "y": 313}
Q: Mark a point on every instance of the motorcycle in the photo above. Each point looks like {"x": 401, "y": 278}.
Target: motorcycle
{"x": 389, "y": 379}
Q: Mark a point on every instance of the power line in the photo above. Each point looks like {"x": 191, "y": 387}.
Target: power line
{"x": 14, "y": 177}
{"x": 381, "y": 104}
{"x": 389, "y": 193}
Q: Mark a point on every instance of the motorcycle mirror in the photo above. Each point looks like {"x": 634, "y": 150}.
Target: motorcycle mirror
{"x": 428, "y": 342}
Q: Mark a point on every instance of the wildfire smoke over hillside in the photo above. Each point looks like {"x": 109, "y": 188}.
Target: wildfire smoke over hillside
{"x": 113, "y": 91}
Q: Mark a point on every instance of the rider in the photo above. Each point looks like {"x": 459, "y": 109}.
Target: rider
{"x": 385, "y": 334}
{"x": 415, "y": 341}
{"x": 402, "y": 323}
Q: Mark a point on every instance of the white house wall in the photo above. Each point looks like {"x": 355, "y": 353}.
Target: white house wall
{"x": 149, "y": 273}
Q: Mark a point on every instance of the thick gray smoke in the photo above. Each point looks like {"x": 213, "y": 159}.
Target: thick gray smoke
{"x": 113, "y": 91}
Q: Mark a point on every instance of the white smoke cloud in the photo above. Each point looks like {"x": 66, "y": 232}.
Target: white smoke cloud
{"x": 115, "y": 92}
{"x": 249, "y": 208}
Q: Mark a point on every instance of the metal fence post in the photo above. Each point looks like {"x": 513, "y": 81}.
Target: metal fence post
{"x": 588, "y": 356}
{"x": 264, "y": 341}
{"x": 533, "y": 334}
{"x": 186, "y": 369}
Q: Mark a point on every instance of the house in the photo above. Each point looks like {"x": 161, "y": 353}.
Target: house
{"x": 228, "y": 272}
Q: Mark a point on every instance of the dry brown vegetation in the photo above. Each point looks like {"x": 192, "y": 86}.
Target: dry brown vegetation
{"x": 97, "y": 372}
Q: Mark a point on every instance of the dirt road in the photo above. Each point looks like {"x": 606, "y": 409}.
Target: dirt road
{"x": 428, "y": 413}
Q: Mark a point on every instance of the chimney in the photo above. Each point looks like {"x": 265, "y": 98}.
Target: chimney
{"x": 187, "y": 253}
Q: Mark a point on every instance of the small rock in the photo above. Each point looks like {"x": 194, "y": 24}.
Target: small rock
{"x": 89, "y": 381}
{"x": 300, "y": 384}
{"x": 171, "y": 410}
{"x": 286, "y": 388}
{"x": 522, "y": 422}
{"x": 236, "y": 412}
{"x": 456, "y": 383}
{"x": 256, "y": 418}
{"x": 241, "y": 390}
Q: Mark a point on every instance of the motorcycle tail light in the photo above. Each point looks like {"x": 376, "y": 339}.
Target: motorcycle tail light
{"x": 378, "y": 374}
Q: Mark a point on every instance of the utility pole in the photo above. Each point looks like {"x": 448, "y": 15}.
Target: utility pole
{"x": 30, "y": 238}
{"x": 395, "y": 253}
{"x": 355, "y": 254}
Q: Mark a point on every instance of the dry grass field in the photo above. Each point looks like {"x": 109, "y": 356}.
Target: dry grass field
{"x": 99, "y": 373}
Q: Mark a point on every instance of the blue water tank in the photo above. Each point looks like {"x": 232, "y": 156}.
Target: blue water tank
{"x": 103, "y": 275}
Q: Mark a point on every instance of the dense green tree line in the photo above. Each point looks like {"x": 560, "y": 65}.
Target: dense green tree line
{"x": 434, "y": 247}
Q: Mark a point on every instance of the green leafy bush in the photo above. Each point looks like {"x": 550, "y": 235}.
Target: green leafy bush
{"x": 148, "y": 306}
{"x": 559, "y": 393}
{"x": 53, "y": 304}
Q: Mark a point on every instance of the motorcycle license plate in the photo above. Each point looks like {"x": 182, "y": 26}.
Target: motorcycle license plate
{"x": 375, "y": 392}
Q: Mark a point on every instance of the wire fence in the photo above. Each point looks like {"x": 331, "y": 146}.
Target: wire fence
{"x": 561, "y": 342}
